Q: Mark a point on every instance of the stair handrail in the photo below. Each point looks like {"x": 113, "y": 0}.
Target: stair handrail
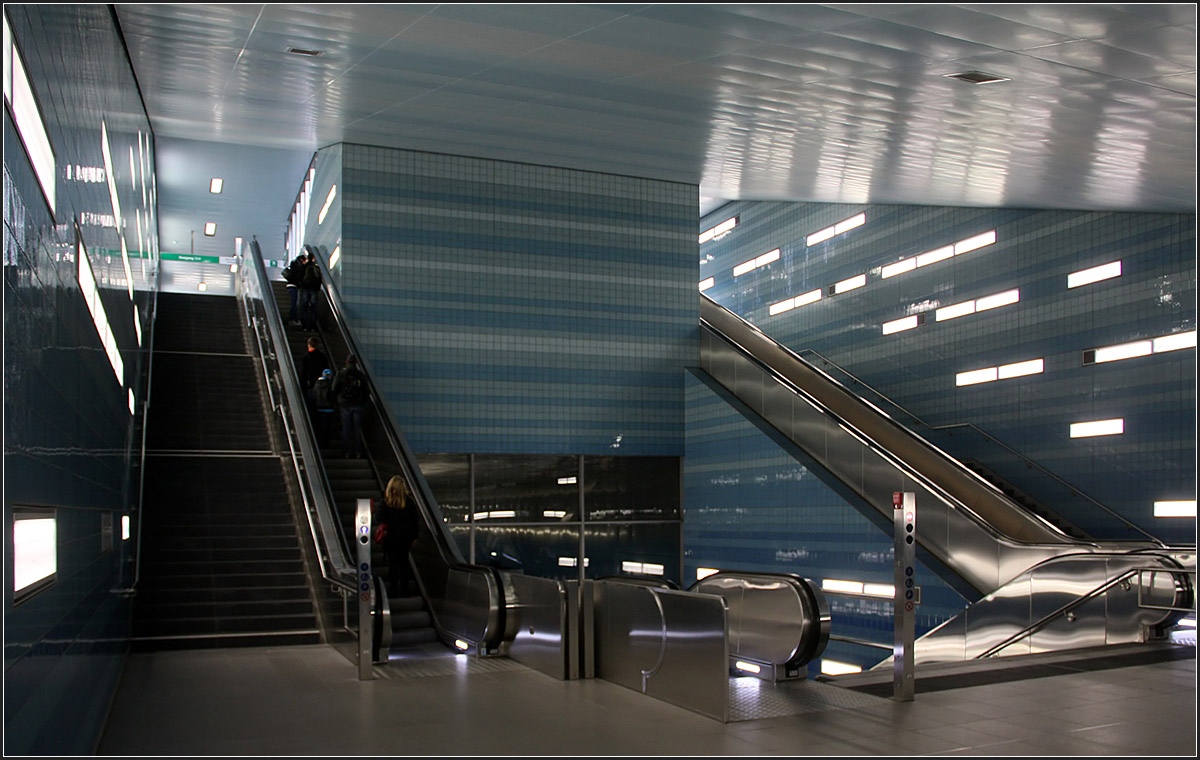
{"x": 137, "y": 552}
{"x": 990, "y": 438}
{"x": 336, "y": 565}
{"x": 1072, "y": 605}
{"x": 404, "y": 456}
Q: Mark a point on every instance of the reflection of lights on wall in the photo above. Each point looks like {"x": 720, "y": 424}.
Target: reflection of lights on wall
{"x": 124, "y": 527}
{"x": 215, "y": 185}
{"x": 328, "y": 202}
{"x": 28, "y": 119}
{"x": 91, "y": 296}
{"x": 706, "y": 284}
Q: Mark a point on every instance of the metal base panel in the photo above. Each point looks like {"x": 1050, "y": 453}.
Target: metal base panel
{"x": 753, "y": 699}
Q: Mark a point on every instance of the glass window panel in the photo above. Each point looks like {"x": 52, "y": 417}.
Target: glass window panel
{"x": 449, "y": 478}
{"x": 654, "y": 544}
{"x": 524, "y": 488}
{"x": 631, "y": 488}
{"x": 530, "y": 549}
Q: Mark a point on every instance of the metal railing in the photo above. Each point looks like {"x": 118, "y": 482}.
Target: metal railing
{"x": 281, "y": 379}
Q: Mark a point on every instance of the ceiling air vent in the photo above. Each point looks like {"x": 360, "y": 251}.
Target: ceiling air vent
{"x": 302, "y": 51}
{"x": 977, "y": 77}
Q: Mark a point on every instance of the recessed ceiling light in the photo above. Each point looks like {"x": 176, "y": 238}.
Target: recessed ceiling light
{"x": 210, "y": 228}
{"x": 216, "y": 185}
{"x": 303, "y": 51}
{"x": 977, "y": 77}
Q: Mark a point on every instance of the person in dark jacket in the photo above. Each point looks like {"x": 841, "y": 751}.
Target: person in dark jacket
{"x": 313, "y": 363}
{"x": 310, "y": 290}
{"x": 403, "y": 525}
{"x": 323, "y": 407}
{"x": 291, "y": 275}
{"x": 350, "y": 389}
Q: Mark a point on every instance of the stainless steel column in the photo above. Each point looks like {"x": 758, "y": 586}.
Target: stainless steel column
{"x": 904, "y": 508}
{"x": 366, "y": 590}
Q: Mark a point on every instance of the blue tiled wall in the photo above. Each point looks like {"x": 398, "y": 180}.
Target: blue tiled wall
{"x": 512, "y": 308}
{"x": 1034, "y": 251}
{"x": 69, "y": 440}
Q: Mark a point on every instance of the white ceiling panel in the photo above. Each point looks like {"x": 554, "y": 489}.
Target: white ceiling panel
{"x": 841, "y": 102}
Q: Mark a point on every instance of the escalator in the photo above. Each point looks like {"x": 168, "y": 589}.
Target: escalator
{"x": 459, "y": 606}
{"x": 1032, "y": 585}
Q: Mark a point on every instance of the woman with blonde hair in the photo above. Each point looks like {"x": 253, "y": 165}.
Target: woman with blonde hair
{"x": 403, "y": 524}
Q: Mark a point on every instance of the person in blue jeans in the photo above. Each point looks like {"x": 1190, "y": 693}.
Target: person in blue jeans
{"x": 350, "y": 390}
{"x": 292, "y": 276}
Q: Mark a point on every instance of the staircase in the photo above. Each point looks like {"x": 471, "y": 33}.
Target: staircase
{"x": 221, "y": 562}
{"x": 354, "y": 479}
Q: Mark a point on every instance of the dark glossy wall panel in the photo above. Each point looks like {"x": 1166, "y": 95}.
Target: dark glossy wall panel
{"x": 1116, "y": 478}
{"x": 70, "y": 440}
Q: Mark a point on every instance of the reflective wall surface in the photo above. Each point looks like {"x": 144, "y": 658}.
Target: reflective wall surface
{"x": 524, "y": 512}
{"x": 79, "y": 275}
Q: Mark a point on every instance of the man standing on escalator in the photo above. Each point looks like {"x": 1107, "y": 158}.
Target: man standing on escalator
{"x": 310, "y": 289}
{"x": 350, "y": 389}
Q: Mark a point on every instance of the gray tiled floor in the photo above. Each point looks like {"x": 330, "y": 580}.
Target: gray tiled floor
{"x": 308, "y": 701}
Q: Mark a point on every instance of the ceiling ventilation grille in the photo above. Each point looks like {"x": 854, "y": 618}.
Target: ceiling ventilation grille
{"x": 977, "y": 77}
{"x": 302, "y": 51}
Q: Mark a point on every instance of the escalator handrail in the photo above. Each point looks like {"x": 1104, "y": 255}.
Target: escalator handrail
{"x": 314, "y": 487}
{"x": 882, "y": 451}
{"x": 419, "y": 487}
{"x": 1028, "y": 462}
{"x": 1077, "y": 602}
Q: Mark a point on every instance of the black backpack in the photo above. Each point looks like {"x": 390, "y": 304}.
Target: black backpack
{"x": 291, "y": 274}
{"x": 323, "y": 393}
{"x": 312, "y": 276}
{"x": 352, "y": 387}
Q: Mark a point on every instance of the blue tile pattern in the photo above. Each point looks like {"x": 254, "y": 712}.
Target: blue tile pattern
{"x": 750, "y": 506}
{"x": 69, "y": 440}
{"x": 1034, "y": 252}
{"x": 512, "y": 308}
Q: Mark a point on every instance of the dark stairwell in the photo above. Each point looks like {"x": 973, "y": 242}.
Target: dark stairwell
{"x": 221, "y": 561}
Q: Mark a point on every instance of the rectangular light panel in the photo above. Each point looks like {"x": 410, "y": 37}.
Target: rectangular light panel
{"x": 1098, "y": 427}
{"x": 1095, "y": 274}
{"x": 1175, "y": 508}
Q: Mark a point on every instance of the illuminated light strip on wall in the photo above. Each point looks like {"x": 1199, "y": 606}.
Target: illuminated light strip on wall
{"x": 811, "y": 296}
{"x": 704, "y": 572}
{"x": 1161, "y": 344}
{"x": 848, "y": 284}
{"x": 939, "y": 254}
{"x": 1095, "y": 274}
{"x": 8, "y": 56}
{"x": 902, "y": 324}
{"x": 706, "y": 284}
{"x": 335, "y": 256}
{"x": 835, "y": 668}
{"x": 34, "y": 546}
{"x": 881, "y": 590}
{"x": 573, "y": 562}
{"x": 495, "y": 513}
{"x": 91, "y": 296}
{"x": 325, "y": 208}
{"x": 28, "y": 118}
{"x": 108, "y": 173}
{"x": 718, "y": 231}
{"x": 645, "y": 568}
{"x": 1005, "y": 372}
{"x": 979, "y": 304}
{"x": 1175, "y": 508}
{"x": 845, "y": 225}
{"x": 753, "y": 264}
{"x": 557, "y": 513}
{"x": 1098, "y": 427}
